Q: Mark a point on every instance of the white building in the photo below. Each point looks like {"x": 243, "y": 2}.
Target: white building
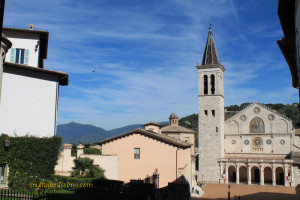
{"x": 29, "y": 92}
{"x": 255, "y": 146}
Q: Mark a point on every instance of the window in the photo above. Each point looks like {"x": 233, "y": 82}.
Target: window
{"x": 212, "y": 83}
{"x": 136, "y": 153}
{"x": 205, "y": 84}
{"x": 217, "y": 129}
{"x": 19, "y": 56}
{"x": 213, "y": 113}
{"x": 205, "y": 112}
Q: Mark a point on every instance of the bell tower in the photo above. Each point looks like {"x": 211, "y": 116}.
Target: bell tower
{"x": 211, "y": 112}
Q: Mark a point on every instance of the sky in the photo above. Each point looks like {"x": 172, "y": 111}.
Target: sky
{"x": 133, "y": 61}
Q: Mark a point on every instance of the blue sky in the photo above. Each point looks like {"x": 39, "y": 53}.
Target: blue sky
{"x": 144, "y": 54}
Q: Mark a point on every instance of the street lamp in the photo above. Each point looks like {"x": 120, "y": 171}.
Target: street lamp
{"x": 6, "y": 143}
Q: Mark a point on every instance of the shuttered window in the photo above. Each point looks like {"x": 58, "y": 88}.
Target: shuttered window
{"x": 19, "y": 56}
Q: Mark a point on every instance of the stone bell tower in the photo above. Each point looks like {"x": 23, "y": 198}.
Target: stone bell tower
{"x": 211, "y": 113}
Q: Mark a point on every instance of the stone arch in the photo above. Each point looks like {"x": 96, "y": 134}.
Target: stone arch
{"x": 243, "y": 174}
{"x": 255, "y": 175}
{"x": 233, "y": 127}
{"x": 281, "y": 126}
{"x": 231, "y": 174}
{"x": 256, "y": 125}
{"x": 268, "y": 175}
{"x": 279, "y": 174}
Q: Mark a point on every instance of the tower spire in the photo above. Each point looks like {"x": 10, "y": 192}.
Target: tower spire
{"x": 210, "y": 56}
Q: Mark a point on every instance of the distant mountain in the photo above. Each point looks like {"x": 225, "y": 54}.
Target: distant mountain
{"x": 74, "y": 133}
{"x": 84, "y": 133}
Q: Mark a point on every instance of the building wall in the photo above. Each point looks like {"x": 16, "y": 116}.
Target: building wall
{"x": 28, "y": 104}
{"x": 276, "y": 138}
{"x": 153, "y": 128}
{"x": 109, "y": 163}
{"x": 65, "y": 163}
{"x": 211, "y": 128}
{"x": 153, "y": 155}
{"x": 24, "y": 41}
{"x": 297, "y": 26}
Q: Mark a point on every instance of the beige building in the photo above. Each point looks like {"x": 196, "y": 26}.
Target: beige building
{"x": 254, "y": 146}
{"x": 65, "y": 162}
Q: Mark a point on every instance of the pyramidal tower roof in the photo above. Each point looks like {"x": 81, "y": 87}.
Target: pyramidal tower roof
{"x": 210, "y": 56}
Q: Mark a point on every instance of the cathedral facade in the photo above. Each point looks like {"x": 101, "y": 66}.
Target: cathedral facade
{"x": 255, "y": 146}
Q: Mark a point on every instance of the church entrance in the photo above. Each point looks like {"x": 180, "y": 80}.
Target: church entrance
{"x": 255, "y": 176}
{"x": 243, "y": 174}
{"x": 268, "y": 175}
{"x": 279, "y": 176}
{"x": 232, "y": 174}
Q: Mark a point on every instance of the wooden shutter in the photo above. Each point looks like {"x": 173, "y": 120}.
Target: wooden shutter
{"x": 13, "y": 55}
{"x": 26, "y": 56}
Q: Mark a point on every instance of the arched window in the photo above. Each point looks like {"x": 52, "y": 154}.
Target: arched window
{"x": 256, "y": 125}
{"x": 205, "y": 84}
{"x": 212, "y": 83}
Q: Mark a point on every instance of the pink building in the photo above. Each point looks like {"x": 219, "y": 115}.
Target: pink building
{"x": 141, "y": 152}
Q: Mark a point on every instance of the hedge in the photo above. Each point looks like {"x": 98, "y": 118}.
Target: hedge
{"x": 30, "y": 159}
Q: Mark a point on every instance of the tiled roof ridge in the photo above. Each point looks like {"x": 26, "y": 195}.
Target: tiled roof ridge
{"x": 164, "y": 138}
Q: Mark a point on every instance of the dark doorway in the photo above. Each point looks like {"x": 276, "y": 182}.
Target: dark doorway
{"x": 268, "y": 175}
{"x": 279, "y": 176}
{"x": 255, "y": 176}
{"x": 243, "y": 174}
{"x": 232, "y": 174}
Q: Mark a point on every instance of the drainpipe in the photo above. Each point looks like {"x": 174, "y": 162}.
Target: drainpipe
{"x": 176, "y": 165}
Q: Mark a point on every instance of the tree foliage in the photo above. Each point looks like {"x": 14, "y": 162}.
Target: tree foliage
{"x": 85, "y": 168}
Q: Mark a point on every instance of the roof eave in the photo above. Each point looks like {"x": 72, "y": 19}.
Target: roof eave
{"x": 288, "y": 49}
{"x": 145, "y": 133}
{"x": 63, "y": 78}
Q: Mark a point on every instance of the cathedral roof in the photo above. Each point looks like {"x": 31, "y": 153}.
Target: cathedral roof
{"x": 210, "y": 56}
{"x": 262, "y": 105}
{"x": 176, "y": 129}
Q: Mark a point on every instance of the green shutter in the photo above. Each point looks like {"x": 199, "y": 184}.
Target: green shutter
{"x": 13, "y": 55}
{"x": 26, "y": 56}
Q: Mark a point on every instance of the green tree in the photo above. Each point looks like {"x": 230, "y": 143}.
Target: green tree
{"x": 84, "y": 167}
{"x": 93, "y": 151}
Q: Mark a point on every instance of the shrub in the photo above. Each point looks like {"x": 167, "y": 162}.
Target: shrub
{"x": 93, "y": 151}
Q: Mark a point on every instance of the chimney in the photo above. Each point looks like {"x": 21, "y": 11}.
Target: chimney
{"x": 31, "y": 27}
